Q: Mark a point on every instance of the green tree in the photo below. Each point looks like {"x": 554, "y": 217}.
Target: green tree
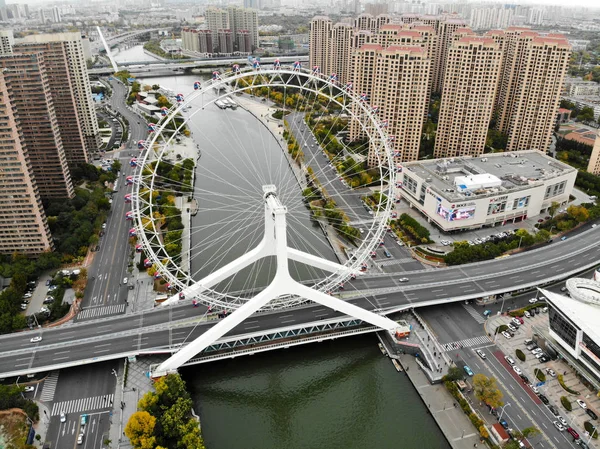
{"x": 553, "y": 208}
{"x": 586, "y": 114}
{"x": 454, "y": 373}
{"x": 486, "y": 390}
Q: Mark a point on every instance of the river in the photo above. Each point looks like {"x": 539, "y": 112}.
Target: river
{"x": 335, "y": 394}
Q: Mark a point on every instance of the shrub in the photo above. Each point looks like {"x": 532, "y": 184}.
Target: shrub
{"x": 561, "y": 381}
{"x": 540, "y": 375}
{"x": 501, "y": 328}
{"x": 566, "y": 403}
{"x": 520, "y": 354}
{"x": 591, "y": 429}
{"x": 414, "y": 228}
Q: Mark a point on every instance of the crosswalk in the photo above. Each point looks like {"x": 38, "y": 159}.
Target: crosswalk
{"x": 49, "y": 387}
{"x": 466, "y": 343}
{"x": 386, "y": 263}
{"x": 83, "y": 404}
{"x": 474, "y": 313}
{"x": 93, "y": 312}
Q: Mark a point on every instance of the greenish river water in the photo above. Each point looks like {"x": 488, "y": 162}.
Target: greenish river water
{"x": 337, "y": 394}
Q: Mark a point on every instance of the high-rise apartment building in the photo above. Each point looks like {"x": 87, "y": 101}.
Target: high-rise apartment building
{"x": 320, "y": 43}
{"x": 395, "y": 79}
{"x": 63, "y": 98}
{"x": 23, "y": 225}
{"x": 225, "y": 41}
{"x": 533, "y": 74}
{"x": 6, "y": 42}
{"x": 31, "y": 98}
{"x": 446, "y": 29}
{"x": 199, "y": 41}
{"x": 341, "y": 51}
{"x": 80, "y": 84}
{"x": 244, "y": 19}
{"x": 594, "y": 163}
{"x": 472, "y": 72}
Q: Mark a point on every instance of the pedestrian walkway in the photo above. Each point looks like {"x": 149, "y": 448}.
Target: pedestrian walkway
{"x": 474, "y": 313}
{"x": 466, "y": 343}
{"x": 452, "y": 421}
{"x": 49, "y": 387}
{"x": 83, "y": 404}
{"x": 93, "y": 312}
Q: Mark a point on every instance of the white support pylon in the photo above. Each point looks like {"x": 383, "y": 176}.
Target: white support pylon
{"x": 274, "y": 243}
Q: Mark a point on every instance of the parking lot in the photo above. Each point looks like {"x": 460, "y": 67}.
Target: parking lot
{"x": 584, "y": 406}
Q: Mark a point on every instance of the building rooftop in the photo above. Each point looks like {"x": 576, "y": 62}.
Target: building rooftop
{"x": 460, "y": 178}
{"x": 585, "y": 314}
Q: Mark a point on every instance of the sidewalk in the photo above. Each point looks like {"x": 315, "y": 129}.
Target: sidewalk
{"x": 454, "y": 424}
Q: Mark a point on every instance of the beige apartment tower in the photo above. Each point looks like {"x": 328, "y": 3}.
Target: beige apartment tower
{"x": 472, "y": 71}
{"x": 594, "y": 163}
{"x": 532, "y": 80}
{"x": 80, "y": 83}
{"x": 23, "y": 225}
{"x": 59, "y": 78}
{"x": 341, "y": 52}
{"x": 31, "y": 99}
{"x": 320, "y": 43}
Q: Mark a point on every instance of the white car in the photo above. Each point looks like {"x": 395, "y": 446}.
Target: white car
{"x": 103, "y": 225}
{"x": 27, "y": 295}
{"x": 481, "y": 354}
{"x": 563, "y": 421}
{"x": 537, "y": 351}
{"x": 534, "y": 388}
{"x": 506, "y": 335}
{"x": 36, "y": 339}
{"x": 517, "y": 370}
{"x": 558, "y": 426}
{"x": 63, "y": 417}
{"x": 581, "y": 403}
{"x": 125, "y": 280}
{"x": 510, "y": 360}
{"x": 532, "y": 300}
{"x": 551, "y": 372}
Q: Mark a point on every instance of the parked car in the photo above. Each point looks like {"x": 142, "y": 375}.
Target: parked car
{"x": 591, "y": 414}
{"x": 524, "y": 378}
{"x": 527, "y": 314}
{"x": 544, "y": 399}
{"x": 563, "y": 421}
{"x": 581, "y": 403}
{"x": 551, "y": 372}
{"x": 503, "y": 423}
{"x": 532, "y": 300}
{"x": 574, "y": 434}
{"x": 506, "y": 335}
{"x": 517, "y": 370}
{"x": 558, "y": 426}
{"x": 553, "y": 409}
{"x": 29, "y": 389}
{"x": 510, "y": 360}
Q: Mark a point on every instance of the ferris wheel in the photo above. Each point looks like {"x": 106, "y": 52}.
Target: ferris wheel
{"x": 241, "y": 149}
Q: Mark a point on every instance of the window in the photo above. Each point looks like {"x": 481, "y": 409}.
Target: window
{"x": 563, "y": 327}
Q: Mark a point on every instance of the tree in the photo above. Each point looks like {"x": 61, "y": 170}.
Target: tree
{"x": 486, "y": 390}
{"x": 586, "y": 114}
{"x": 553, "y": 208}
{"x": 579, "y": 213}
{"x": 454, "y": 373}
{"x": 155, "y": 87}
{"x": 140, "y": 429}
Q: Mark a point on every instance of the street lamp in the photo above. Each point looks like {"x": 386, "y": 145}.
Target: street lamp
{"x": 502, "y": 412}
{"x": 520, "y": 240}
{"x": 592, "y": 434}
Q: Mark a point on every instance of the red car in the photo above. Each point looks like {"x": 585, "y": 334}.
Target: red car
{"x": 574, "y": 434}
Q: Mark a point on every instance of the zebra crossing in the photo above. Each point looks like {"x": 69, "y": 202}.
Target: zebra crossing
{"x": 474, "y": 313}
{"x": 386, "y": 263}
{"x": 82, "y": 404}
{"x": 49, "y": 387}
{"x": 93, "y": 312}
{"x": 466, "y": 343}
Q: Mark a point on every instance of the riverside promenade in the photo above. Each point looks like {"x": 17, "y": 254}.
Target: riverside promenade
{"x": 454, "y": 424}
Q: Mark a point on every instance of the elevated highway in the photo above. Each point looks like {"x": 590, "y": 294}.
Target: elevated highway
{"x": 159, "y": 329}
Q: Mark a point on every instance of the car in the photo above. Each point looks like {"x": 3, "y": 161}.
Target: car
{"x": 48, "y": 282}
{"x": 125, "y": 280}
{"x": 23, "y": 306}
{"x": 512, "y": 328}
{"x": 520, "y": 320}
{"x": 563, "y": 238}
{"x": 403, "y": 280}
{"x": 594, "y": 225}
{"x": 52, "y": 288}
{"x": 481, "y": 354}
{"x": 581, "y": 403}
{"x": 524, "y": 378}
{"x": 49, "y": 300}
{"x": 468, "y": 370}
{"x": 527, "y": 314}
{"x": 553, "y": 409}
{"x": 539, "y": 355}
{"x": 511, "y": 333}
{"x": 507, "y": 335}
{"x": 80, "y": 439}
{"x": 29, "y": 389}
{"x": 541, "y": 220}
{"x": 544, "y": 399}
{"x": 516, "y": 322}
{"x": 517, "y": 370}
{"x": 103, "y": 225}
{"x": 558, "y": 426}
{"x": 532, "y": 300}
{"x": 527, "y": 341}
{"x": 591, "y": 414}
{"x": 551, "y": 372}
{"x": 544, "y": 309}
{"x": 583, "y": 444}
{"x": 36, "y": 339}
{"x": 510, "y": 360}
{"x": 27, "y": 295}
{"x": 63, "y": 417}
{"x": 543, "y": 359}
{"x": 84, "y": 419}
{"x": 537, "y": 351}
{"x": 503, "y": 423}
{"x": 574, "y": 434}
{"x": 534, "y": 388}
{"x": 563, "y": 289}
{"x": 562, "y": 420}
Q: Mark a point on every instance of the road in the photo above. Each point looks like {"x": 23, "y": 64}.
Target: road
{"x": 461, "y": 324}
{"x": 98, "y": 339}
{"x": 105, "y": 293}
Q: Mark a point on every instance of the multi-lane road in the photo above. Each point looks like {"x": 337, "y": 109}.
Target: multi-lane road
{"x": 99, "y": 340}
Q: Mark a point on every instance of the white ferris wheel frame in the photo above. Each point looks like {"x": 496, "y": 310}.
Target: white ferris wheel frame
{"x": 313, "y": 82}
